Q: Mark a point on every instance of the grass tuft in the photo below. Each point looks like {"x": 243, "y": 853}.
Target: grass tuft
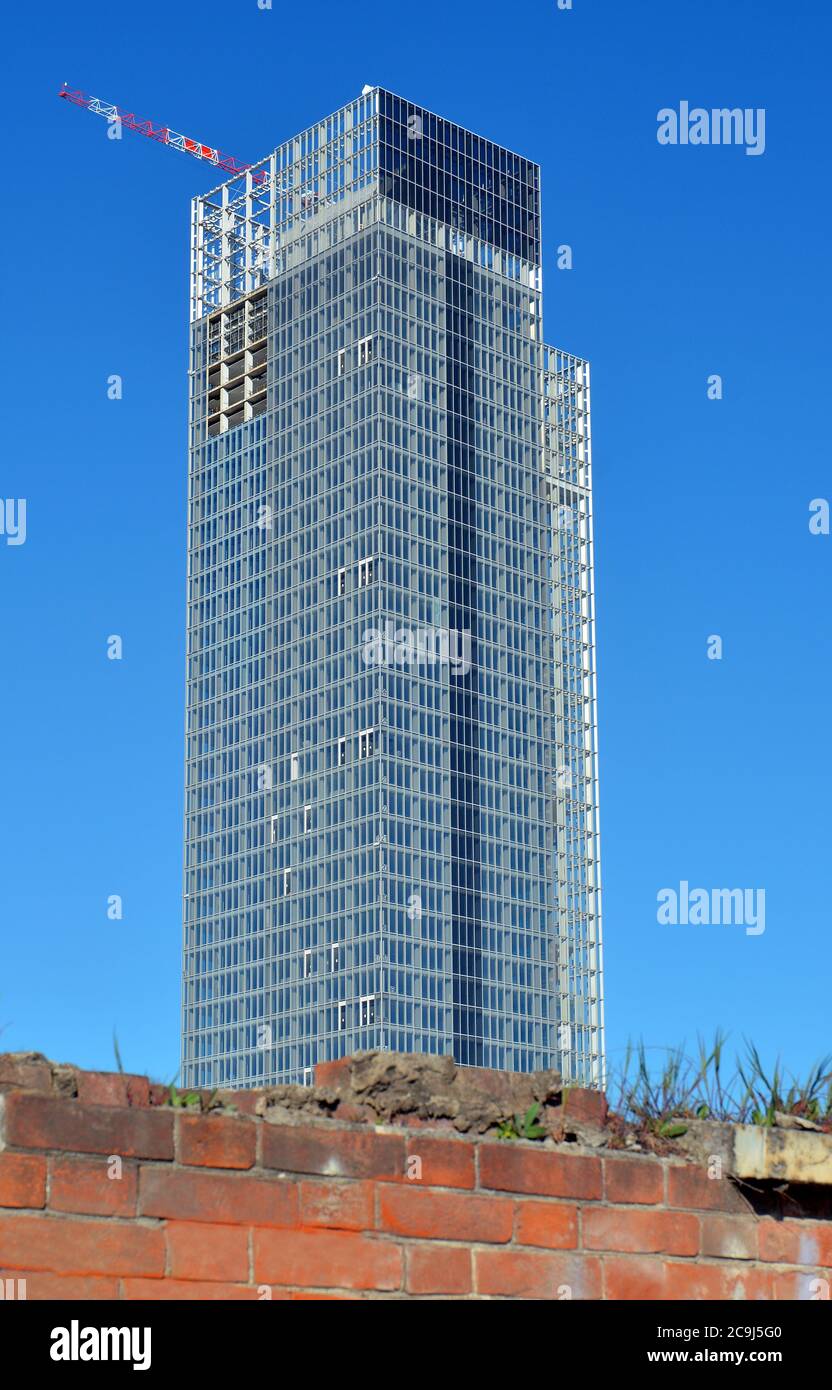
{"x": 699, "y": 1088}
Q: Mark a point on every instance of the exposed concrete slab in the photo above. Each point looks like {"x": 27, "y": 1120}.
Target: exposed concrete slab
{"x": 786, "y": 1154}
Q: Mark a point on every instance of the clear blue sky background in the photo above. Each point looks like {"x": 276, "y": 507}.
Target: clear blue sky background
{"x": 687, "y": 262}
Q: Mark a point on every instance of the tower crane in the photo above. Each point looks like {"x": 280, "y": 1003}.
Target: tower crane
{"x": 161, "y": 133}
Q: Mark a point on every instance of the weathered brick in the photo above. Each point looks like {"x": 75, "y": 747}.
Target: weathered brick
{"x": 585, "y": 1106}
{"x": 730, "y": 1237}
{"x": 438, "y": 1269}
{"x": 112, "y": 1088}
{"x": 41, "y": 1285}
{"x": 801, "y": 1286}
{"x": 341, "y": 1205}
{"x": 442, "y": 1162}
{"x": 412, "y": 1211}
{"x": 185, "y": 1195}
{"x": 210, "y": 1141}
{"x": 333, "y": 1153}
{"x": 334, "y": 1074}
{"x": 46, "y": 1122}
{"x": 552, "y": 1225}
{"x": 22, "y": 1180}
{"x": 659, "y": 1232}
{"x": 28, "y": 1071}
{"x": 63, "y": 1245}
{"x": 806, "y": 1243}
{"x": 244, "y": 1102}
{"x": 197, "y": 1251}
{"x": 524, "y": 1274}
{"x": 326, "y": 1259}
{"x": 84, "y": 1185}
{"x": 641, "y": 1278}
{"x": 346, "y": 1213}
{"x": 636, "y": 1180}
{"x": 709, "y": 1283}
{"x": 514, "y": 1167}
{"x": 689, "y": 1186}
{"x": 633, "y": 1277}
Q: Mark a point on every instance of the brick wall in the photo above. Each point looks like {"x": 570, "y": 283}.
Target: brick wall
{"x": 107, "y": 1192}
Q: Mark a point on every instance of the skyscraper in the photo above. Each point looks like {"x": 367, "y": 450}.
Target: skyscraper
{"x": 391, "y": 831}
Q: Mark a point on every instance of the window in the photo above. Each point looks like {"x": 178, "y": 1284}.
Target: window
{"x": 342, "y": 1017}
{"x": 365, "y": 351}
{"x": 275, "y": 819}
{"x": 335, "y": 956}
{"x": 342, "y": 751}
{"x": 366, "y": 743}
{"x": 295, "y": 767}
{"x": 341, "y": 582}
{"x": 342, "y": 362}
{"x": 308, "y": 1076}
{"x": 365, "y": 573}
{"x": 307, "y": 964}
{"x": 307, "y": 819}
{"x": 368, "y": 1010}
{"x": 287, "y": 882}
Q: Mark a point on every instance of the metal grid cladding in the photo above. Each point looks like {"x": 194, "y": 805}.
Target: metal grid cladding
{"x": 373, "y": 857}
{"x": 568, "y": 465}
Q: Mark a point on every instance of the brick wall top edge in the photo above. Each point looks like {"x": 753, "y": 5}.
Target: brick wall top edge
{"x": 412, "y": 1093}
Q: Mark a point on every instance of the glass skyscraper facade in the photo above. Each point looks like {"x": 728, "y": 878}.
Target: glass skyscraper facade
{"x": 391, "y": 834}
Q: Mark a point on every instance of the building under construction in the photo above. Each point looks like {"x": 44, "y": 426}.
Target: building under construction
{"x": 391, "y": 833}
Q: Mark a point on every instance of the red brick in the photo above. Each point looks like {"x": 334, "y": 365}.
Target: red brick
{"x": 657, "y": 1232}
{"x": 192, "y": 1196}
{"x": 218, "y": 1141}
{"x": 334, "y": 1074}
{"x": 41, "y": 1285}
{"x": 207, "y": 1252}
{"x": 714, "y": 1283}
{"x": 326, "y": 1259}
{"x": 22, "y": 1180}
{"x": 351, "y": 1114}
{"x": 244, "y": 1102}
{"x": 522, "y": 1274}
{"x": 690, "y": 1186}
{"x": 511, "y": 1166}
{"x": 806, "y": 1243}
{"x": 345, "y": 1206}
{"x": 444, "y": 1162}
{"x": 800, "y": 1286}
{"x": 112, "y": 1088}
{"x": 549, "y": 1224}
{"x": 628, "y": 1278}
{"x": 643, "y": 1279}
{"x": 633, "y": 1180}
{"x": 585, "y": 1106}
{"x": 413, "y": 1211}
{"x": 25, "y": 1071}
{"x": 751, "y": 1283}
{"x": 45, "y": 1122}
{"x": 333, "y": 1153}
{"x": 81, "y": 1185}
{"x": 160, "y": 1290}
{"x": 438, "y": 1269}
{"x": 65, "y": 1246}
{"x": 730, "y": 1237}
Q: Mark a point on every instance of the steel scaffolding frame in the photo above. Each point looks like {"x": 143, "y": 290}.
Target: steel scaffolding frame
{"x": 568, "y": 468}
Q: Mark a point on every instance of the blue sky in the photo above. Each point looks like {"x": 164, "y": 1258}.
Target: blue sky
{"x": 688, "y": 262}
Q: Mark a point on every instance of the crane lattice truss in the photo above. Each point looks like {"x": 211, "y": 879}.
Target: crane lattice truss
{"x": 163, "y": 134}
